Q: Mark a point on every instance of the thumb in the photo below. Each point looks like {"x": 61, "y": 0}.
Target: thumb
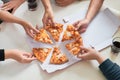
{"x": 78, "y": 25}
{"x": 82, "y": 56}
{"x": 13, "y": 10}
{"x": 35, "y": 30}
{"x": 83, "y": 48}
{"x": 28, "y": 60}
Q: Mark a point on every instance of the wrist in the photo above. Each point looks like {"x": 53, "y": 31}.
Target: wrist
{"x": 7, "y": 54}
{"x": 87, "y": 20}
{"x": 48, "y": 10}
{"x": 24, "y": 23}
{"x": 100, "y": 59}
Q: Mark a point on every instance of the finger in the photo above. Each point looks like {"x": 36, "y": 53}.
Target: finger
{"x": 6, "y": 4}
{"x": 28, "y": 60}
{"x": 80, "y": 56}
{"x": 7, "y": 8}
{"x": 82, "y": 30}
{"x": 37, "y": 27}
{"x": 52, "y": 21}
{"x": 30, "y": 34}
{"x": 78, "y": 25}
{"x": 74, "y": 24}
{"x": 35, "y": 30}
{"x": 44, "y": 22}
{"x": 83, "y": 48}
{"x": 27, "y": 54}
{"x": 14, "y": 9}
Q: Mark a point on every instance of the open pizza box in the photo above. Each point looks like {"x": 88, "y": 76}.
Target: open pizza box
{"x": 98, "y": 35}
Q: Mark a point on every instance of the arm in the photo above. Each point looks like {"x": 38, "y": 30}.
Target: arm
{"x": 6, "y": 16}
{"x": 110, "y": 70}
{"x": 20, "y": 56}
{"x": 48, "y": 15}
{"x": 93, "y": 9}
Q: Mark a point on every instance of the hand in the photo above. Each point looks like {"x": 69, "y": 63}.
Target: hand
{"x": 29, "y": 29}
{"x": 81, "y": 25}
{"x": 20, "y": 56}
{"x": 90, "y": 54}
{"x": 12, "y": 4}
{"x": 48, "y": 18}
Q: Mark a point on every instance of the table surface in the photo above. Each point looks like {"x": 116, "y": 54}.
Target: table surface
{"x": 13, "y": 37}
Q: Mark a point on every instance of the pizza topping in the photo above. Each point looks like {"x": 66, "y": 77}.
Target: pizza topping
{"x": 42, "y": 36}
{"x": 55, "y": 31}
{"x": 41, "y": 53}
{"x": 74, "y": 47}
{"x": 58, "y": 57}
{"x": 70, "y": 33}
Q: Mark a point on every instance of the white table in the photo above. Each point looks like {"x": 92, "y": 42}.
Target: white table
{"x": 13, "y": 36}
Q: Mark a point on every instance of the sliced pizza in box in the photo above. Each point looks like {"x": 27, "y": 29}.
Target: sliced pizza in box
{"x": 70, "y": 33}
{"x": 41, "y": 53}
{"x": 74, "y": 47}
{"x": 55, "y": 31}
{"x": 58, "y": 57}
{"x": 43, "y": 37}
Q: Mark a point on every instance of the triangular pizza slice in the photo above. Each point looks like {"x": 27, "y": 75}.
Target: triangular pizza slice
{"x": 58, "y": 57}
{"x": 70, "y": 33}
{"x": 74, "y": 47}
{"x": 55, "y": 31}
{"x": 41, "y": 53}
{"x": 42, "y": 36}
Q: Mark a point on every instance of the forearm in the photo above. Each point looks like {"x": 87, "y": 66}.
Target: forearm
{"x": 93, "y": 9}
{"x": 7, "y": 17}
{"x": 47, "y": 4}
{"x": 110, "y": 70}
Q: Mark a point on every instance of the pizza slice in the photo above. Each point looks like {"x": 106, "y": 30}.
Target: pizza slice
{"x": 41, "y": 53}
{"x": 74, "y": 47}
{"x": 42, "y": 36}
{"x": 58, "y": 57}
{"x": 55, "y": 31}
{"x": 70, "y": 33}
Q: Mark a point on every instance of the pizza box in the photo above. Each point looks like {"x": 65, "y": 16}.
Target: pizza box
{"x": 105, "y": 24}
